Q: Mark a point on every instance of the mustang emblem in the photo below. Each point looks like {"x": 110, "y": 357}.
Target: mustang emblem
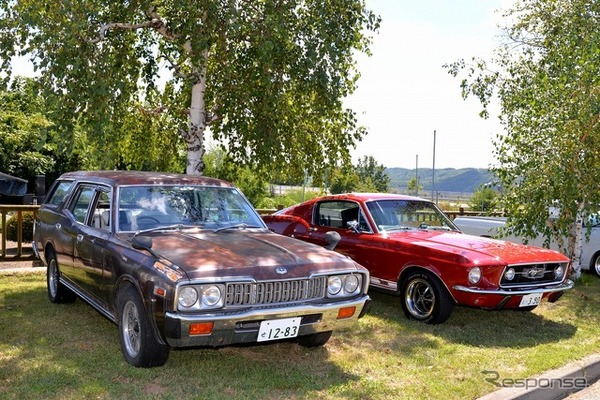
{"x": 281, "y": 270}
{"x": 535, "y": 273}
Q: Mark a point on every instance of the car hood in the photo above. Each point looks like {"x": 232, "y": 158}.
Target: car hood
{"x": 246, "y": 253}
{"x": 476, "y": 248}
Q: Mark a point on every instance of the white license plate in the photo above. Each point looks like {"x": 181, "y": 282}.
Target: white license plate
{"x": 531, "y": 300}
{"x": 278, "y": 329}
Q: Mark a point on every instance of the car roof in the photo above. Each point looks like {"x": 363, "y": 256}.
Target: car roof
{"x": 370, "y": 197}
{"x": 120, "y": 178}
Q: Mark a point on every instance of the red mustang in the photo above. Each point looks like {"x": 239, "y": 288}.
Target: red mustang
{"x": 413, "y": 249}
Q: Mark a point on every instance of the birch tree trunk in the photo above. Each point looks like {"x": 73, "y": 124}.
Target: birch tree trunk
{"x": 575, "y": 242}
{"x": 195, "y": 135}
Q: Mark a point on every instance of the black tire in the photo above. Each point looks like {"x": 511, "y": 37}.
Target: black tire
{"x": 595, "y": 264}
{"x": 315, "y": 339}
{"x": 57, "y": 292}
{"x": 138, "y": 344}
{"x": 425, "y": 299}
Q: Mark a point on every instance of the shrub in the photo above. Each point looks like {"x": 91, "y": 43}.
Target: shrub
{"x": 12, "y": 226}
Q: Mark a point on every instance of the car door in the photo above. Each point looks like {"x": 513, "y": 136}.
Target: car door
{"x": 68, "y": 231}
{"x": 90, "y": 246}
{"x": 72, "y": 231}
{"x": 358, "y": 243}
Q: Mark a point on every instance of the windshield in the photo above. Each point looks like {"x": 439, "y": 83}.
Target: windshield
{"x": 394, "y": 215}
{"x": 148, "y": 207}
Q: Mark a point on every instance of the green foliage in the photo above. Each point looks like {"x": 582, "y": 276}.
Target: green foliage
{"x": 484, "y": 199}
{"x": 413, "y": 186}
{"x": 289, "y": 198}
{"x": 12, "y": 227}
{"x": 218, "y": 164}
{"x": 371, "y": 175}
{"x": 266, "y": 78}
{"x": 343, "y": 180}
{"x": 549, "y": 91}
{"x": 24, "y": 131}
{"x": 366, "y": 176}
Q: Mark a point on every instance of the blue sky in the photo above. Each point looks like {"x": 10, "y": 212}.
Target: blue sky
{"x": 404, "y": 94}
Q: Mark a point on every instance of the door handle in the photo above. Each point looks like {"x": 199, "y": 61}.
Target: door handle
{"x": 80, "y": 238}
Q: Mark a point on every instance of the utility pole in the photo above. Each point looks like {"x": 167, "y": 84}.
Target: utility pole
{"x": 433, "y": 170}
{"x": 417, "y": 175}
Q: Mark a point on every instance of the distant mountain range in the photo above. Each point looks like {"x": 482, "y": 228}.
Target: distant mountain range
{"x": 463, "y": 180}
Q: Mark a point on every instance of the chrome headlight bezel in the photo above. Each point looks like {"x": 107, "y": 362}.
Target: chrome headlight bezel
{"x": 187, "y": 297}
{"x": 559, "y": 272}
{"x": 510, "y": 274}
{"x": 344, "y": 285}
{"x": 207, "y": 297}
{"x": 474, "y": 275}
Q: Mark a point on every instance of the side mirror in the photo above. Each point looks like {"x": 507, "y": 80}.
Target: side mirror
{"x": 142, "y": 243}
{"x": 332, "y": 238}
{"x": 354, "y": 226}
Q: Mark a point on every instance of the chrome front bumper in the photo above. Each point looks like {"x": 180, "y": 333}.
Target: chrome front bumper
{"x": 566, "y": 285}
{"x": 242, "y": 327}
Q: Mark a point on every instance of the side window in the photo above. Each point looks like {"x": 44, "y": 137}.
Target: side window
{"x": 337, "y": 214}
{"x": 81, "y": 202}
{"x": 58, "y": 193}
{"x": 101, "y": 210}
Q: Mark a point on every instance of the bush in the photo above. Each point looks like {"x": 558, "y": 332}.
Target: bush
{"x": 12, "y": 226}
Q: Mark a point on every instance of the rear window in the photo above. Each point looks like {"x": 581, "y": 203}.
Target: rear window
{"x": 58, "y": 193}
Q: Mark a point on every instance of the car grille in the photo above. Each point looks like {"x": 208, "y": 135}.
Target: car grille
{"x": 528, "y": 275}
{"x": 275, "y": 292}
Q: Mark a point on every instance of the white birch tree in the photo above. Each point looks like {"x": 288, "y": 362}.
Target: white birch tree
{"x": 267, "y": 77}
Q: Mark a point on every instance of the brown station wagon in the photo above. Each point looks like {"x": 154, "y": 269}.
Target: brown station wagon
{"x": 181, "y": 261}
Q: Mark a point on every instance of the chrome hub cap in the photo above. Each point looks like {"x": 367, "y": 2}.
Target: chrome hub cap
{"x": 419, "y": 298}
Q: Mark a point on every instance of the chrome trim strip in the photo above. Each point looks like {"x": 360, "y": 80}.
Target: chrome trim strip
{"x": 384, "y": 284}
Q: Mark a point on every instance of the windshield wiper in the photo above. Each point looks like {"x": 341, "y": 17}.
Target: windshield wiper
{"x": 236, "y": 226}
{"x": 397, "y": 228}
{"x": 165, "y": 228}
{"x": 434, "y": 227}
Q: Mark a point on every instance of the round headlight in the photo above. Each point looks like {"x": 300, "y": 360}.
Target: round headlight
{"x": 334, "y": 285}
{"x": 188, "y": 297}
{"x": 351, "y": 284}
{"x": 474, "y": 275}
{"x": 510, "y": 274}
{"x": 211, "y": 295}
{"x": 558, "y": 271}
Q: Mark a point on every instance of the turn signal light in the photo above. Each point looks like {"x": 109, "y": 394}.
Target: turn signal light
{"x": 201, "y": 328}
{"x": 346, "y": 312}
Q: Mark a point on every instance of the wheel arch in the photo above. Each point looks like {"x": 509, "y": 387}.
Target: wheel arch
{"x": 433, "y": 272}
{"x": 593, "y": 261}
{"x": 125, "y": 282}
{"x": 48, "y": 249}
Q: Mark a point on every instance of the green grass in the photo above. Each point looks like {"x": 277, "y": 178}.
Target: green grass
{"x": 71, "y": 352}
